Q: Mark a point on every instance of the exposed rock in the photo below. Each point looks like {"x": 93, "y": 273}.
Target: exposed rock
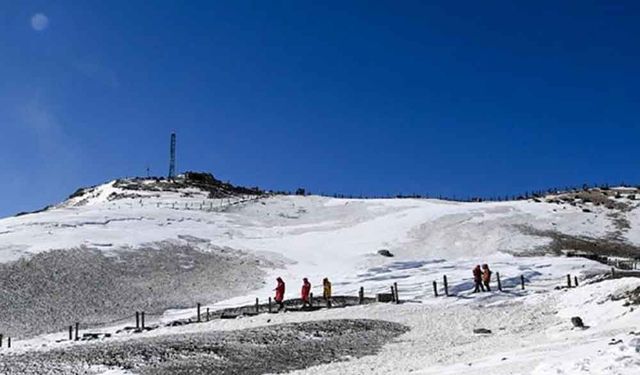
{"x": 384, "y": 297}
{"x": 482, "y": 331}
{"x": 385, "y": 253}
{"x": 577, "y": 322}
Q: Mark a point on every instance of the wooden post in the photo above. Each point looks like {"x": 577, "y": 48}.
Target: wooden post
{"x": 142, "y": 320}
{"x": 77, "y": 337}
{"x": 575, "y": 279}
{"x": 269, "y": 305}
{"x": 397, "y": 297}
{"x": 522, "y": 281}
{"x": 257, "y": 306}
{"x": 207, "y": 314}
{"x": 198, "y": 312}
{"x": 8, "y": 342}
{"x": 393, "y": 294}
{"x": 361, "y": 296}
{"x": 311, "y": 299}
{"x": 446, "y": 286}
{"x": 70, "y": 333}
{"x": 569, "y": 281}
{"x": 499, "y": 283}
{"x": 435, "y": 288}
{"x": 137, "y": 320}
{"x": 613, "y": 273}
{"x": 1, "y": 339}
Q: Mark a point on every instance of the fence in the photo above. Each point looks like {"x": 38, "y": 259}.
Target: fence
{"x": 449, "y": 289}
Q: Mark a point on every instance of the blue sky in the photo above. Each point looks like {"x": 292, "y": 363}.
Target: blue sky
{"x": 452, "y": 98}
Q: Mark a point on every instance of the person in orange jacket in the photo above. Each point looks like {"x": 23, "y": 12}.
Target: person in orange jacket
{"x": 326, "y": 291}
{"x": 486, "y": 276}
{"x": 280, "y": 293}
{"x": 306, "y": 289}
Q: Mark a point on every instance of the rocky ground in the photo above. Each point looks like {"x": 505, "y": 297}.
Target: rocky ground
{"x": 52, "y": 290}
{"x": 271, "y": 349}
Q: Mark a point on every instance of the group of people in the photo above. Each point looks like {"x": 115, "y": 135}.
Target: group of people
{"x": 482, "y": 278}
{"x": 305, "y": 293}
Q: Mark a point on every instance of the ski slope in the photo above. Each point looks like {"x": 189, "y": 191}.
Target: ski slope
{"x": 319, "y": 237}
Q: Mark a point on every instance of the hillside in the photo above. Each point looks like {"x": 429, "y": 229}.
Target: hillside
{"x": 163, "y": 246}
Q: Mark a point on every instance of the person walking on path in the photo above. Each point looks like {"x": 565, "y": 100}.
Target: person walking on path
{"x": 280, "y": 293}
{"x": 477, "y": 279}
{"x": 486, "y": 276}
{"x": 326, "y": 291}
{"x": 306, "y": 289}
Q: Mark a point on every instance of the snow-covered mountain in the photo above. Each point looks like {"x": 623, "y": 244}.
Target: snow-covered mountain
{"x": 162, "y": 246}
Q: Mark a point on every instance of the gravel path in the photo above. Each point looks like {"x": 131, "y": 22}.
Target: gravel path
{"x": 52, "y": 290}
{"x": 271, "y": 349}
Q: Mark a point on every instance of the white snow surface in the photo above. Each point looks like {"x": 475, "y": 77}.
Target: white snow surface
{"x": 338, "y": 238}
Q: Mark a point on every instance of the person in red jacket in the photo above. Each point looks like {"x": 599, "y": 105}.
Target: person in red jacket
{"x": 280, "y": 293}
{"x": 306, "y": 289}
{"x": 477, "y": 279}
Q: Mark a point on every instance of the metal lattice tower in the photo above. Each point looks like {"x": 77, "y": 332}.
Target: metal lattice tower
{"x": 172, "y": 162}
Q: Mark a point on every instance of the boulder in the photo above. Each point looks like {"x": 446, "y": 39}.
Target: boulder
{"x": 384, "y": 297}
{"x": 482, "y": 331}
{"x": 577, "y": 322}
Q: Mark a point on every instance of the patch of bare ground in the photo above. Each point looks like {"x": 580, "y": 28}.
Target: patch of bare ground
{"x": 272, "y": 349}
{"x": 52, "y": 290}
{"x": 611, "y": 199}
{"x": 562, "y": 242}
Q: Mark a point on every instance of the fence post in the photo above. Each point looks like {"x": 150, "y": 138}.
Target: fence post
{"x": 1, "y": 339}
{"x": 393, "y": 294}
{"x": 257, "y": 305}
{"x": 137, "y": 320}
{"x": 499, "y": 283}
{"x": 446, "y": 285}
{"x": 77, "y": 337}
{"x": 361, "y": 296}
{"x": 208, "y": 314}
{"x": 8, "y": 342}
{"x": 435, "y": 288}
{"x": 70, "y": 333}
{"x": 397, "y": 296}
{"x": 569, "y": 280}
{"x": 613, "y": 273}
{"x": 522, "y": 281}
{"x": 269, "y": 305}
{"x": 198, "y": 312}
{"x": 142, "y": 320}
{"x": 575, "y": 279}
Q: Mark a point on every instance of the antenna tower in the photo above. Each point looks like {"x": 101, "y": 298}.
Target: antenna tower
{"x": 172, "y": 162}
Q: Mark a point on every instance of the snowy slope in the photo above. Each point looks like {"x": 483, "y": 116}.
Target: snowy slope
{"x": 319, "y": 237}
